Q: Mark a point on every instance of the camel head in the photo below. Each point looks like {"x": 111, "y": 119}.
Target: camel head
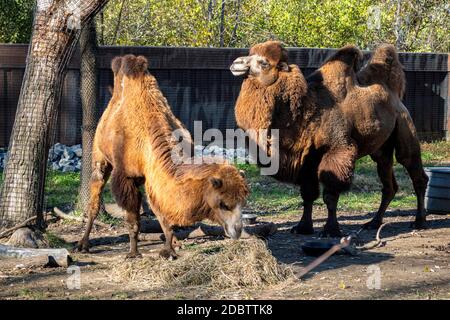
{"x": 263, "y": 64}
{"x": 225, "y": 194}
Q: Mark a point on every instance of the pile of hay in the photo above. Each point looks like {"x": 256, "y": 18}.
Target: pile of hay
{"x": 229, "y": 264}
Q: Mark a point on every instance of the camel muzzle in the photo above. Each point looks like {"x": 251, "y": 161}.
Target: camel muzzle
{"x": 234, "y": 232}
{"x": 240, "y": 66}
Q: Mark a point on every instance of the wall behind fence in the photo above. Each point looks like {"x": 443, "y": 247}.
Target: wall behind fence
{"x": 199, "y": 86}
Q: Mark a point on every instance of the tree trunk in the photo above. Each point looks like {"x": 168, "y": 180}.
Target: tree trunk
{"x": 236, "y": 24}
{"x": 89, "y": 94}
{"x": 222, "y": 24}
{"x": 398, "y": 26}
{"x": 56, "y": 29}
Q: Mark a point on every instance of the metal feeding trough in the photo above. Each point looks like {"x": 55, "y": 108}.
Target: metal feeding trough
{"x": 437, "y": 197}
{"x": 249, "y": 218}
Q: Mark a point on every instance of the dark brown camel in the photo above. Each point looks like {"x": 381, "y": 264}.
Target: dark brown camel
{"x": 329, "y": 120}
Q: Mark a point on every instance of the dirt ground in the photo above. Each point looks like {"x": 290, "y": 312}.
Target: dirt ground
{"x": 411, "y": 265}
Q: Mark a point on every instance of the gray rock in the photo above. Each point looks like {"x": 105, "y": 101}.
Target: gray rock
{"x": 215, "y": 150}
{"x": 240, "y": 152}
{"x": 55, "y": 166}
{"x": 76, "y": 149}
{"x": 68, "y": 153}
{"x": 3, "y": 159}
{"x": 65, "y": 162}
{"x": 58, "y": 149}
{"x": 53, "y": 156}
{"x": 230, "y": 154}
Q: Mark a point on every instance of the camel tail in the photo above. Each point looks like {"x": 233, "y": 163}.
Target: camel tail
{"x": 385, "y": 67}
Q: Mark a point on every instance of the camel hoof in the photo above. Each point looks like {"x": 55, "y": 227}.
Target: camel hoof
{"x": 168, "y": 254}
{"x": 372, "y": 225}
{"x": 133, "y": 255}
{"x": 302, "y": 228}
{"x": 82, "y": 247}
{"x": 331, "y": 232}
{"x": 419, "y": 225}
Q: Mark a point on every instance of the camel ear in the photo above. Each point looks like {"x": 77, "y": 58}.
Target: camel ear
{"x": 283, "y": 66}
{"x": 216, "y": 182}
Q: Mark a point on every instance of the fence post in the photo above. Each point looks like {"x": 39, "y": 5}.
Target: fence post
{"x": 447, "y": 135}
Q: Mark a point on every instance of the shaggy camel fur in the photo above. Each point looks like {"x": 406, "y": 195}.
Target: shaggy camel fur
{"x": 134, "y": 144}
{"x": 329, "y": 120}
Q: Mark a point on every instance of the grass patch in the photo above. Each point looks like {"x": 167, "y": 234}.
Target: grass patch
{"x": 105, "y": 217}
{"x": 61, "y": 189}
{"x": 121, "y": 296}
{"x": 32, "y": 294}
{"x": 56, "y": 242}
{"x": 436, "y": 153}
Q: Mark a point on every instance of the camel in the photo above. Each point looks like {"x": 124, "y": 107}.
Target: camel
{"x": 329, "y": 120}
{"x": 134, "y": 145}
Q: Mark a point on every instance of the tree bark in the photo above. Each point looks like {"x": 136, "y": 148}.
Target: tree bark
{"x": 236, "y": 24}
{"x": 51, "y": 257}
{"x": 56, "y": 28}
{"x": 222, "y": 24}
{"x": 89, "y": 102}
{"x": 398, "y": 26}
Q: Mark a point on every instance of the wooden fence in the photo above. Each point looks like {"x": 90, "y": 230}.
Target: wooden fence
{"x": 199, "y": 86}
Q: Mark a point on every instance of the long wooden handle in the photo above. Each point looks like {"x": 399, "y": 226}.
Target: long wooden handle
{"x": 344, "y": 243}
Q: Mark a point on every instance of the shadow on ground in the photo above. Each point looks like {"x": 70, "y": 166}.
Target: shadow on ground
{"x": 286, "y": 247}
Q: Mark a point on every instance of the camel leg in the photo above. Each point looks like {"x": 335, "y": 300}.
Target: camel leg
{"x": 336, "y": 173}
{"x": 407, "y": 153}
{"x": 420, "y": 181}
{"x": 101, "y": 172}
{"x": 331, "y": 228}
{"x": 167, "y": 252}
{"x": 384, "y": 160}
{"x": 128, "y": 197}
{"x": 133, "y": 220}
{"x": 310, "y": 191}
{"x": 414, "y": 167}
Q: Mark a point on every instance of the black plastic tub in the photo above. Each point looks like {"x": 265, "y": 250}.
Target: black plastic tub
{"x": 316, "y": 248}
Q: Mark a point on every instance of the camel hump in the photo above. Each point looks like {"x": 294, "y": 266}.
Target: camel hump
{"x": 134, "y": 66}
{"x": 350, "y": 55}
{"x": 116, "y": 63}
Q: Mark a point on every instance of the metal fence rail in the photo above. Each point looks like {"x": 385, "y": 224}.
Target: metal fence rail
{"x": 199, "y": 86}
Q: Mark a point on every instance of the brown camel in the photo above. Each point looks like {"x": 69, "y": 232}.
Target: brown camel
{"x": 329, "y": 120}
{"x": 135, "y": 145}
